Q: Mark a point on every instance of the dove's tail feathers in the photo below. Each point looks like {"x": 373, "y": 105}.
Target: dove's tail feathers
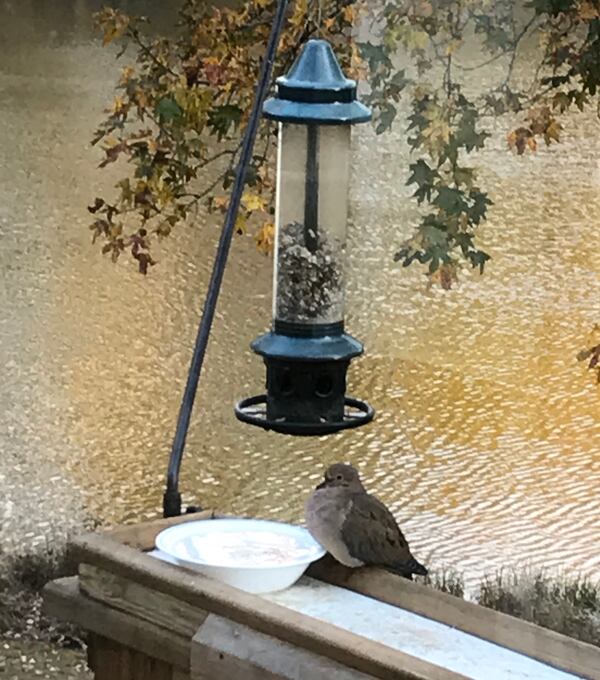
{"x": 417, "y": 568}
{"x": 408, "y": 568}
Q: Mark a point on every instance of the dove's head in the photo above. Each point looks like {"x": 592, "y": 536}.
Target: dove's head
{"x": 342, "y": 475}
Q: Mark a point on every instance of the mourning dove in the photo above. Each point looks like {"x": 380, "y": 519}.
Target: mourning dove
{"x": 355, "y": 527}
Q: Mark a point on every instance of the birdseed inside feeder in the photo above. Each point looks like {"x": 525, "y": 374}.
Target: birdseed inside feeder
{"x": 307, "y": 353}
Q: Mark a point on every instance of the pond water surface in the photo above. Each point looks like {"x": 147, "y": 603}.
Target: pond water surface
{"x": 486, "y": 443}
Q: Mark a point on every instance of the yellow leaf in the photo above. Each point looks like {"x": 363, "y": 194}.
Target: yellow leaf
{"x": 266, "y": 238}
{"x": 253, "y": 201}
{"x": 127, "y": 74}
{"x": 118, "y": 104}
{"x": 416, "y": 39}
{"x": 437, "y": 134}
{"x": 140, "y": 98}
{"x": 348, "y": 13}
{"x": 116, "y": 28}
{"x": 241, "y": 224}
{"x": 298, "y": 18}
{"x": 110, "y": 142}
{"x": 553, "y": 132}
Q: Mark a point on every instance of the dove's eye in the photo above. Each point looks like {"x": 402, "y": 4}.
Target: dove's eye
{"x": 339, "y": 478}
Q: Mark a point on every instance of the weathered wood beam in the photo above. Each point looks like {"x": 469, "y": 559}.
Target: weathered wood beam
{"x": 261, "y": 615}
{"x": 542, "y": 644}
{"x": 64, "y": 601}
{"x": 224, "y": 650}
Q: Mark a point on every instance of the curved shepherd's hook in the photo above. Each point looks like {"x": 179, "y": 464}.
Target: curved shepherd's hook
{"x": 172, "y": 496}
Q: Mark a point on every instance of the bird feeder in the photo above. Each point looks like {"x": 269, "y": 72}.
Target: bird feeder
{"x": 307, "y": 352}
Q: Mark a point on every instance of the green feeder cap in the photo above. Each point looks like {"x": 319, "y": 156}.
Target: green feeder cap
{"x": 316, "y": 91}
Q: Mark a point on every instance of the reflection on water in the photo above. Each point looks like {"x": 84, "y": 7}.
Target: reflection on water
{"x": 486, "y": 441}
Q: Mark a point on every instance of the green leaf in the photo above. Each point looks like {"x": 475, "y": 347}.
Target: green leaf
{"x": 496, "y": 38}
{"x": 396, "y": 85}
{"x": 222, "y": 118}
{"x": 465, "y": 241}
{"x": 386, "y": 118}
{"x": 478, "y": 259}
{"x": 424, "y": 177}
{"x": 466, "y": 134}
{"x": 478, "y": 209}
{"x": 434, "y": 236}
{"x": 451, "y": 201}
{"x": 167, "y": 109}
{"x": 376, "y": 55}
{"x": 464, "y": 176}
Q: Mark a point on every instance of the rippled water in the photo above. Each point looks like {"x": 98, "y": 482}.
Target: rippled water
{"x": 486, "y": 443}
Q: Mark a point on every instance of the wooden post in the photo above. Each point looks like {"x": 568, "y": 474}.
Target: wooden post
{"x": 110, "y": 660}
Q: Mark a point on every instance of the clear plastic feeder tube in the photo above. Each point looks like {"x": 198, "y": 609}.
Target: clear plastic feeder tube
{"x": 311, "y": 220}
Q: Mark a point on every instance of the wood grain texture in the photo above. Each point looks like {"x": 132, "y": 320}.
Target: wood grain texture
{"x": 521, "y": 636}
{"x": 144, "y": 603}
{"x": 110, "y": 660}
{"x": 180, "y": 675}
{"x": 539, "y": 643}
{"x": 224, "y": 650}
{"x": 64, "y": 600}
{"x": 265, "y": 617}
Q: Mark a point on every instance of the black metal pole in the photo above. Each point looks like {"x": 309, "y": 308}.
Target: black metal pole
{"x": 172, "y": 497}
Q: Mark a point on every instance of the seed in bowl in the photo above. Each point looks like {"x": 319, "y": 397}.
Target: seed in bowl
{"x": 244, "y": 548}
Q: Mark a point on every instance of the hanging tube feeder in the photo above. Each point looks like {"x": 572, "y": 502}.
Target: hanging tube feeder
{"x": 307, "y": 352}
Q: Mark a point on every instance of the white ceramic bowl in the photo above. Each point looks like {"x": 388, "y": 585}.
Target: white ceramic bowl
{"x": 254, "y": 555}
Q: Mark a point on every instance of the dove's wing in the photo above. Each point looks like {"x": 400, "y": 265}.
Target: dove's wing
{"x": 372, "y": 535}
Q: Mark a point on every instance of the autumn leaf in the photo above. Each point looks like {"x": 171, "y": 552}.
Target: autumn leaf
{"x": 349, "y": 14}
{"x": 253, "y": 201}
{"x": 144, "y": 261}
{"x": 552, "y": 132}
{"x": 220, "y": 203}
{"x": 214, "y": 71}
{"x": 588, "y": 10}
{"x": 98, "y": 203}
{"x": 112, "y": 149}
{"x": 445, "y": 275}
{"x": 415, "y": 38}
{"x": 113, "y": 22}
{"x": 265, "y": 238}
{"x": 521, "y": 139}
{"x": 561, "y": 101}
{"x": 195, "y": 89}
{"x": 241, "y": 224}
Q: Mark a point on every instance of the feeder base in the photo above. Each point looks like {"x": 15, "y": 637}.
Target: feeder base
{"x": 356, "y": 413}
